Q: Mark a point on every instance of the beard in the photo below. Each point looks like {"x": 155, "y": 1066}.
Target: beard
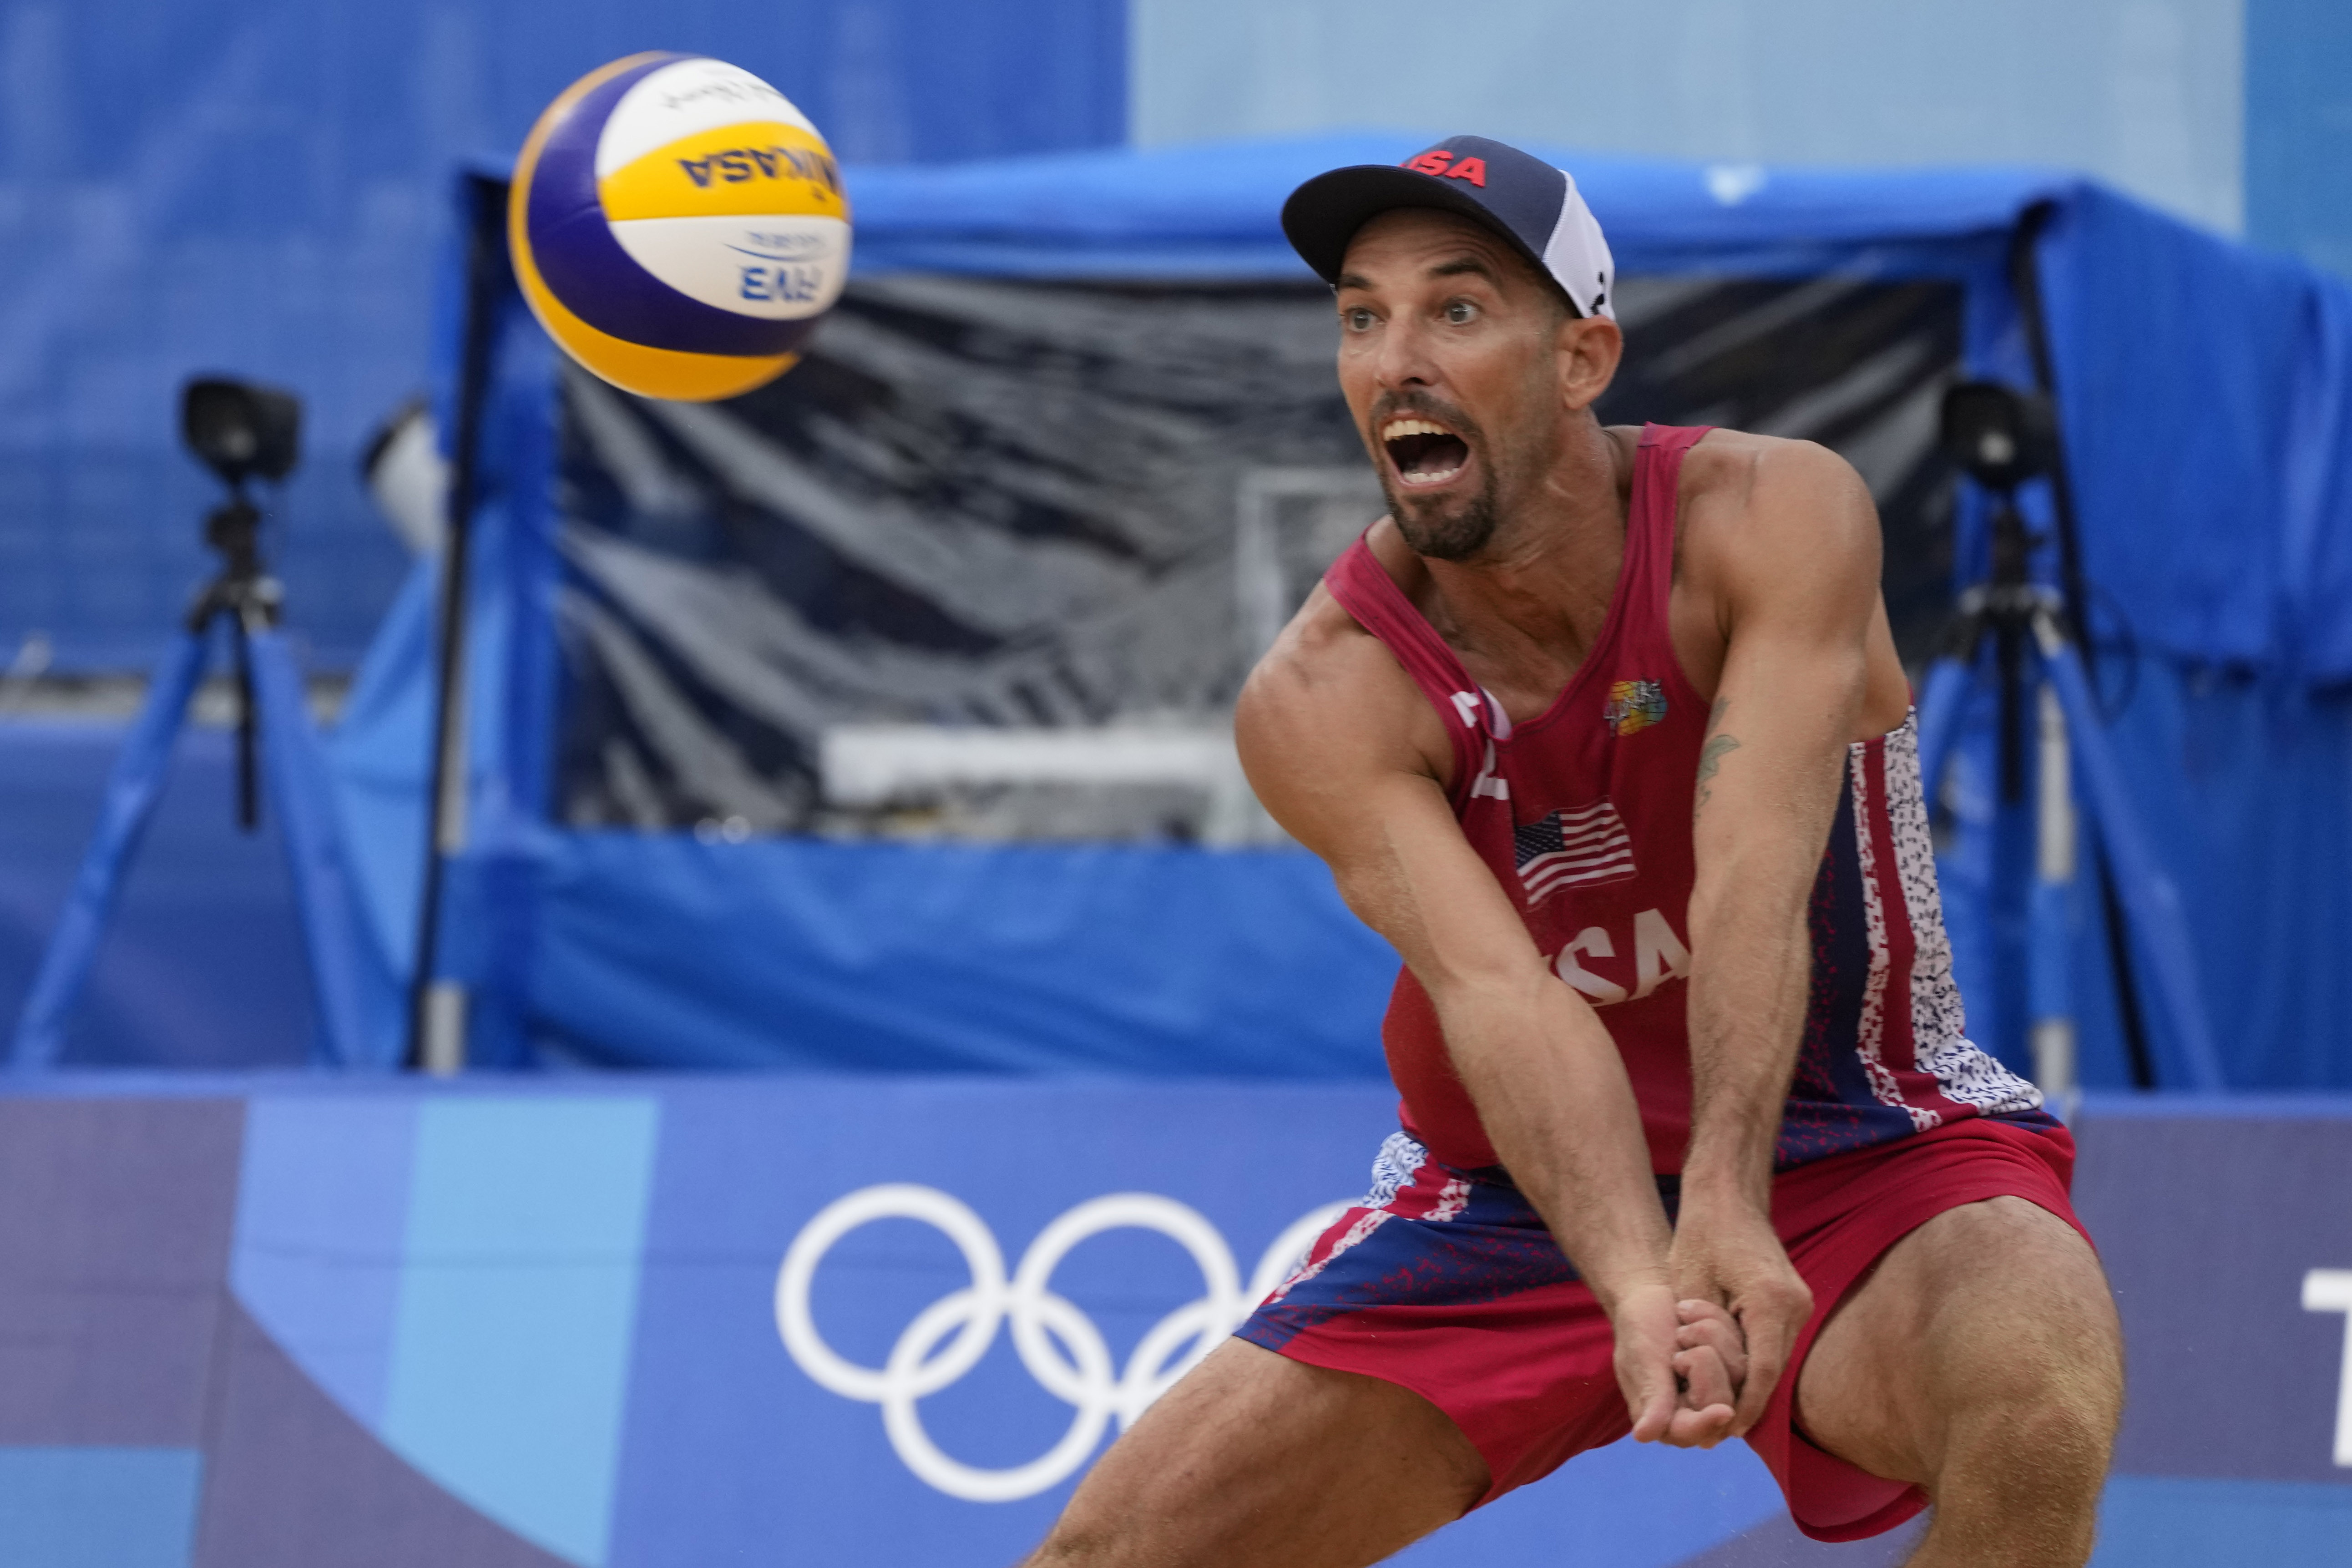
{"x": 1455, "y": 528}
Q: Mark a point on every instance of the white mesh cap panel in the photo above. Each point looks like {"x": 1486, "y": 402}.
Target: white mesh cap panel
{"x": 1578, "y": 257}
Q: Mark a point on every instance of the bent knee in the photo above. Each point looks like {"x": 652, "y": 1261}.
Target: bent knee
{"x": 2057, "y": 1393}
{"x": 2039, "y": 1452}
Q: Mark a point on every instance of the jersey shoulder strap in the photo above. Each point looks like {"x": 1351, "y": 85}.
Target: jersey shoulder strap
{"x": 1367, "y": 592}
{"x": 1652, "y": 515}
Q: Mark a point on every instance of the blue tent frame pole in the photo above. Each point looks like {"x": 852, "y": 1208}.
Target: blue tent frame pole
{"x": 312, "y": 840}
{"x": 437, "y": 1003}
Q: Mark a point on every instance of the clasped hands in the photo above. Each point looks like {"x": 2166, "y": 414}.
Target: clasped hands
{"x": 1700, "y": 1357}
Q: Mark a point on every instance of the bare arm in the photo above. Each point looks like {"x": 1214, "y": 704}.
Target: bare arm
{"x": 1797, "y": 583}
{"x": 1346, "y": 754}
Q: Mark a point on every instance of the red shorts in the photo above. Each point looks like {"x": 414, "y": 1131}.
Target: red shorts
{"x": 1447, "y": 1283}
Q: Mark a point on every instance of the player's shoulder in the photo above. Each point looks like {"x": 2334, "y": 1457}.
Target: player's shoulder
{"x": 1324, "y": 662}
{"x": 1328, "y": 691}
{"x": 1773, "y": 503}
{"x": 1741, "y": 468}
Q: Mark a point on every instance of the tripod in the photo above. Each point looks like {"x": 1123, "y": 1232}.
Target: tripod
{"x": 274, "y": 731}
{"x": 2013, "y": 630}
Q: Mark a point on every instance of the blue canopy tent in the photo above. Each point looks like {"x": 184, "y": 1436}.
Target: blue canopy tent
{"x": 2201, "y": 393}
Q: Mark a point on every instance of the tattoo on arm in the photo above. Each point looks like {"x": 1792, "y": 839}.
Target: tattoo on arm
{"x": 1711, "y": 756}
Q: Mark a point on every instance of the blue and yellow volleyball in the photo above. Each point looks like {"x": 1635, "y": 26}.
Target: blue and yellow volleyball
{"x": 678, "y": 226}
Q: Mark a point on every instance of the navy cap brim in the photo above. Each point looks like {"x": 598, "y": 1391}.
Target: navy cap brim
{"x": 1323, "y": 215}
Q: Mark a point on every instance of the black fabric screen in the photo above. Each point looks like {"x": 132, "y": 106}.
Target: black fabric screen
{"x": 1039, "y": 506}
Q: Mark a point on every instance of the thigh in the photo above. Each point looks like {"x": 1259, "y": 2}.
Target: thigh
{"x": 1254, "y": 1459}
{"x": 1991, "y": 1303}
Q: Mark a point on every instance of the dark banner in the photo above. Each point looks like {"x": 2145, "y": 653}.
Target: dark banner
{"x": 1029, "y": 506}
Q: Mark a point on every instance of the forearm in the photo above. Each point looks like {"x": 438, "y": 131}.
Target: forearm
{"x": 1553, "y": 1096}
{"x": 1750, "y": 973}
{"x": 1760, "y": 853}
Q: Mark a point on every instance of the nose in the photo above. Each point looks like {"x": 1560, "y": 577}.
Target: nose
{"x": 1402, "y": 359}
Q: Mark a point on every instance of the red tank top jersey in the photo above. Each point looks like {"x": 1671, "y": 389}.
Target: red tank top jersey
{"x": 1583, "y": 814}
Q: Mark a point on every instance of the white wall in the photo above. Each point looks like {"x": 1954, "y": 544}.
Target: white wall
{"x": 2145, "y": 94}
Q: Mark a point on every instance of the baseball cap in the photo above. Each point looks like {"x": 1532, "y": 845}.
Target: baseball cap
{"x": 1518, "y": 195}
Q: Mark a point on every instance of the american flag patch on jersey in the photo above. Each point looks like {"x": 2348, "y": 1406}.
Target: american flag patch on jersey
{"x": 1571, "y": 848}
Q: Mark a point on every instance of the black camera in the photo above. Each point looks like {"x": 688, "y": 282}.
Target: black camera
{"x": 241, "y": 430}
{"x": 2001, "y": 438}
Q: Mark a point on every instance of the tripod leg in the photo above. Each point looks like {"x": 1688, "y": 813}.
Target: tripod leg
{"x": 131, "y": 792}
{"x": 248, "y": 786}
{"x": 1942, "y": 698}
{"x": 314, "y": 859}
{"x": 2148, "y": 894}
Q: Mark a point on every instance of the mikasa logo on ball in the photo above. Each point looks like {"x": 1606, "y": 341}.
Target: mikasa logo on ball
{"x": 738, "y": 164}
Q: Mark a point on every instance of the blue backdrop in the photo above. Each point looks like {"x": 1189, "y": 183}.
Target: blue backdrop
{"x": 256, "y": 186}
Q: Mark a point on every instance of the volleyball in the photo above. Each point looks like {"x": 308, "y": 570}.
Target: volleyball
{"x": 678, "y": 226}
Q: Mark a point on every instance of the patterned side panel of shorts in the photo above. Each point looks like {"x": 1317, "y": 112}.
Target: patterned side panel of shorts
{"x": 1426, "y": 1234}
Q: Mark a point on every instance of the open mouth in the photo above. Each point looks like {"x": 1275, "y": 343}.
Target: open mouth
{"x": 1423, "y": 453}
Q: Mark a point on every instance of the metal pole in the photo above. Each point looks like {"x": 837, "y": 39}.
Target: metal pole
{"x": 2054, "y": 881}
{"x": 436, "y": 1008}
{"x": 2025, "y": 282}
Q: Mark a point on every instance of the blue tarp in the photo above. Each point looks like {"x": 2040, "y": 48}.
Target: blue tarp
{"x": 2201, "y": 391}
{"x": 1213, "y": 208}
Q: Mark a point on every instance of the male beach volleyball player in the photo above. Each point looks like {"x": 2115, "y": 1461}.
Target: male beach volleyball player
{"x": 1603, "y": 730}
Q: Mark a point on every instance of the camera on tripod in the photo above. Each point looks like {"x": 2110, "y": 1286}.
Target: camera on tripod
{"x": 2002, "y": 438}
{"x": 242, "y": 432}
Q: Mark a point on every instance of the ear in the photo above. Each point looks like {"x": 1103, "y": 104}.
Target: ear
{"x": 1589, "y": 348}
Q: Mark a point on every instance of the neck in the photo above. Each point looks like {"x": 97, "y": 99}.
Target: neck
{"x": 1536, "y": 597}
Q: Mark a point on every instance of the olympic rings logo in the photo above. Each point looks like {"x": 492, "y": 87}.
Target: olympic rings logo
{"x": 1058, "y": 1344}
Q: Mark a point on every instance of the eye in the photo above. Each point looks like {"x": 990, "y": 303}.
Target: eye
{"x": 1357, "y": 319}
{"x": 1460, "y": 312}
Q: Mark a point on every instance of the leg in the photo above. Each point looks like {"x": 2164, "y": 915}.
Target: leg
{"x": 1982, "y": 1359}
{"x": 1256, "y": 1459}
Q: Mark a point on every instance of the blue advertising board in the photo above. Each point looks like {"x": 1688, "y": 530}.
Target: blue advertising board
{"x": 655, "y": 1323}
